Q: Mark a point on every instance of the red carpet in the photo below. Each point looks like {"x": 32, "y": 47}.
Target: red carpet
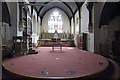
{"x": 71, "y": 62}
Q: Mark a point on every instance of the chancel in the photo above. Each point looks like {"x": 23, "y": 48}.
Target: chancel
{"x": 59, "y": 39}
{"x": 55, "y": 35}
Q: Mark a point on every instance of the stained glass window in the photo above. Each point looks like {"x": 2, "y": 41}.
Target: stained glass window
{"x": 55, "y": 22}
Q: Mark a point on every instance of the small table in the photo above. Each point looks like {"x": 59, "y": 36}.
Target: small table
{"x": 56, "y": 44}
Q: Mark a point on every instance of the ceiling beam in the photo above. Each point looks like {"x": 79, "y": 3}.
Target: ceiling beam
{"x": 36, "y": 9}
{"x": 68, "y": 7}
{"x": 42, "y": 7}
{"x": 79, "y": 4}
{"x": 32, "y": 10}
{"x": 75, "y": 12}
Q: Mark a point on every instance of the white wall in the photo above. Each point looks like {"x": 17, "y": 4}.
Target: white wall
{"x": 72, "y": 26}
{"x": 84, "y": 27}
{"x": 39, "y": 26}
{"x": 77, "y": 23}
{"x": 90, "y": 44}
{"x": 66, "y": 23}
{"x": 35, "y": 27}
{"x": 76, "y": 28}
{"x": 19, "y": 33}
{"x": 84, "y": 18}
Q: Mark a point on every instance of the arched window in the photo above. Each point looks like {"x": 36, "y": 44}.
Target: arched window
{"x": 55, "y": 22}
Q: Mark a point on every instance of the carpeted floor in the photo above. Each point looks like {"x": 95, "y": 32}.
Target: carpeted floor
{"x": 70, "y": 62}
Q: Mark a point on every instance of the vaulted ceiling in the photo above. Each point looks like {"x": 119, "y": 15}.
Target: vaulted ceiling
{"x": 69, "y": 8}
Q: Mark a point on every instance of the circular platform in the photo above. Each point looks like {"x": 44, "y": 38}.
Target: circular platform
{"x": 71, "y": 62}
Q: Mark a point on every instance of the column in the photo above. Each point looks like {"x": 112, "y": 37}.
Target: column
{"x": 74, "y": 24}
{"x": 79, "y": 11}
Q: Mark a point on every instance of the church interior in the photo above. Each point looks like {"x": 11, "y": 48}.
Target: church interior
{"x": 58, "y": 39}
